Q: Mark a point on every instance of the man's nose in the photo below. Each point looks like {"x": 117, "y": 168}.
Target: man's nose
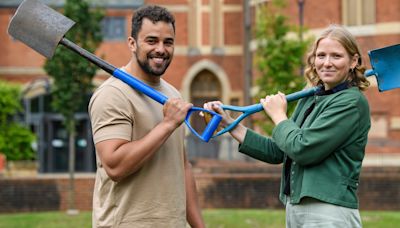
{"x": 160, "y": 47}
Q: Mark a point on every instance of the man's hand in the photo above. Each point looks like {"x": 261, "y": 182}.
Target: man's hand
{"x": 175, "y": 111}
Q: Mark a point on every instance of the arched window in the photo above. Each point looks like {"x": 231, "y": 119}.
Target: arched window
{"x": 204, "y": 87}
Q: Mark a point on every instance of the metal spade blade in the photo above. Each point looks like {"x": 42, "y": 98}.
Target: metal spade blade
{"x": 385, "y": 64}
{"x": 39, "y": 26}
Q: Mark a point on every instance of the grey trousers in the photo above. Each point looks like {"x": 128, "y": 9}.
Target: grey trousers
{"x": 314, "y": 213}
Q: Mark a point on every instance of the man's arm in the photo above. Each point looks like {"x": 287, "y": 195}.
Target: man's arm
{"x": 121, "y": 158}
{"x": 193, "y": 210}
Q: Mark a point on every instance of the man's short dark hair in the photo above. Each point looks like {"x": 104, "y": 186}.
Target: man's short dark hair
{"x": 154, "y": 14}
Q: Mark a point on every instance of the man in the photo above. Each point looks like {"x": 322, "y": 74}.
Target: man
{"x": 143, "y": 177}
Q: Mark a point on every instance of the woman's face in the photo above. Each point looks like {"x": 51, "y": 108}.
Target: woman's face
{"x": 333, "y": 63}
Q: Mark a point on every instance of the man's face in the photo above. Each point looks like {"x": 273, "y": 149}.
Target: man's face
{"x": 155, "y": 47}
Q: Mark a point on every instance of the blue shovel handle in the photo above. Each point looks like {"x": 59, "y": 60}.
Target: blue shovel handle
{"x": 369, "y": 72}
{"x": 161, "y": 98}
{"x": 211, "y": 126}
{"x": 142, "y": 87}
{"x": 251, "y": 109}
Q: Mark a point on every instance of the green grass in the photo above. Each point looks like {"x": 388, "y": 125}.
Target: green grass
{"x": 45, "y": 220}
{"x": 215, "y": 218}
{"x": 385, "y": 219}
{"x": 239, "y": 218}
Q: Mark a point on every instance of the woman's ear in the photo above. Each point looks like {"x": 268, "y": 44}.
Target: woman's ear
{"x": 354, "y": 61}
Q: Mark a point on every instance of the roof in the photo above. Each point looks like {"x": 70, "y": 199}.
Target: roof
{"x": 60, "y": 3}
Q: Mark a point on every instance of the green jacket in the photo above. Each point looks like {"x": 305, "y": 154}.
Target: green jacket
{"x": 327, "y": 151}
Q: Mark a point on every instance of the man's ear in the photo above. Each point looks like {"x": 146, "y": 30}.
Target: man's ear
{"x": 132, "y": 44}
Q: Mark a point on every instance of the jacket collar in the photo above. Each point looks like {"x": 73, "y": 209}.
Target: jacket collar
{"x": 340, "y": 87}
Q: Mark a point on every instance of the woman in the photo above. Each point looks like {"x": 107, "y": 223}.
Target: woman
{"x": 322, "y": 145}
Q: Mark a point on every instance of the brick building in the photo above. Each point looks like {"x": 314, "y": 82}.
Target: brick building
{"x": 209, "y": 56}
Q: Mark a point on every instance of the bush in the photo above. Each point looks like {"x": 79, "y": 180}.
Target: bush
{"x": 15, "y": 139}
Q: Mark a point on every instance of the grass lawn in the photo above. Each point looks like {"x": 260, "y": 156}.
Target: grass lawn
{"x": 215, "y": 218}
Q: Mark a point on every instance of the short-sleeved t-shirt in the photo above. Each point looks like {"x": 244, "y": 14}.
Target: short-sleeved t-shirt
{"x": 154, "y": 196}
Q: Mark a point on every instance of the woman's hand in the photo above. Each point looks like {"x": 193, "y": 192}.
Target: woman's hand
{"x": 238, "y": 132}
{"x": 276, "y": 107}
{"x": 216, "y": 107}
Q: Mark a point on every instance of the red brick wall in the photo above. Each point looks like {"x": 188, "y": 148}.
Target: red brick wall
{"x": 43, "y": 194}
{"x": 14, "y": 53}
{"x": 181, "y": 27}
{"x": 249, "y": 186}
{"x": 317, "y": 14}
{"x": 387, "y": 10}
{"x": 233, "y": 33}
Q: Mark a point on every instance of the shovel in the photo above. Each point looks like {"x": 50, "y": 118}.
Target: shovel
{"x": 385, "y": 64}
{"x": 43, "y": 28}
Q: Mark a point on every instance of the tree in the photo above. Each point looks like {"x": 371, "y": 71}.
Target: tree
{"x": 15, "y": 139}
{"x": 72, "y": 74}
{"x": 278, "y": 57}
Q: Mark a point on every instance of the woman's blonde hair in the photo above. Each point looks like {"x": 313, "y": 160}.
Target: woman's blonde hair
{"x": 347, "y": 40}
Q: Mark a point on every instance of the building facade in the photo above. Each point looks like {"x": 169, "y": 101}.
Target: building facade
{"x": 210, "y": 55}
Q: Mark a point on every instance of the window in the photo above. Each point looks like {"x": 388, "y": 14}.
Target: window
{"x": 358, "y": 12}
{"x": 206, "y": 84}
{"x": 113, "y": 28}
{"x": 205, "y": 87}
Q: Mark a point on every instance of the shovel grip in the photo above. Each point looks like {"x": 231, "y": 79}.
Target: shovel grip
{"x": 211, "y": 127}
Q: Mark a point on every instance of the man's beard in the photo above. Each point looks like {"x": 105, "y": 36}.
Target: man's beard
{"x": 145, "y": 66}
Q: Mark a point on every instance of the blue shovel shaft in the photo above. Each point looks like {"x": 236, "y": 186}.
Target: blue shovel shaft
{"x": 145, "y": 89}
{"x": 140, "y": 86}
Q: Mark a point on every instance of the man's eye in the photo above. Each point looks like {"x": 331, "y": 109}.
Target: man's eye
{"x": 169, "y": 43}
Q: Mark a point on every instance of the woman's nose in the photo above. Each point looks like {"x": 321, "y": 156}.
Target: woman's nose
{"x": 327, "y": 61}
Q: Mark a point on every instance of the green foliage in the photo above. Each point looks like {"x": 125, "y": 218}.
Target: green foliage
{"x": 278, "y": 57}
{"x": 17, "y": 142}
{"x": 73, "y": 74}
{"x": 15, "y": 139}
{"x": 9, "y": 101}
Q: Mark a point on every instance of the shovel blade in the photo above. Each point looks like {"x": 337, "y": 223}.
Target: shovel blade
{"x": 385, "y": 64}
{"x": 39, "y": 26}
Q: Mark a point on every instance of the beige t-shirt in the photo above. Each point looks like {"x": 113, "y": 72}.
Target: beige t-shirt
{"x": 154, "y": 196}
